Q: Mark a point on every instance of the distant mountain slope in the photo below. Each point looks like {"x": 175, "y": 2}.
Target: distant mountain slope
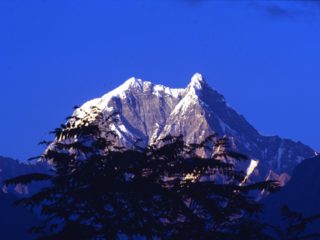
{"x": 10, "y": 168}
{"x": 150, "y": 112}
{"x": 301, "y": 194}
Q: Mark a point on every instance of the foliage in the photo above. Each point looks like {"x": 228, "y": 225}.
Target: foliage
{"x": 169, "y": 190}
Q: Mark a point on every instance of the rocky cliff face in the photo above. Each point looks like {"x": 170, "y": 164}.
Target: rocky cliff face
{"x": 150, "y": 112}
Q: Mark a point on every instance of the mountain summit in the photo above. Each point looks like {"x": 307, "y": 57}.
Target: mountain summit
{"x": 197, "y": 82}
{"x": 151, "y": 111}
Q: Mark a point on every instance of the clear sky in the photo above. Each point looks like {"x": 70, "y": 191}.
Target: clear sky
{"x": 264, "y": 57}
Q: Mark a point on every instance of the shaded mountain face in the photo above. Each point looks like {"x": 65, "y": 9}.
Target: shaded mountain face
{"x": 151, "y": 112}
{"x": 301, "y": 194}
{"x": 10, "y": 168}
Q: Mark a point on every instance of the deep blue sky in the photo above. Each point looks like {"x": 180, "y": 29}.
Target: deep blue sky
{"x": 263, "y": 56}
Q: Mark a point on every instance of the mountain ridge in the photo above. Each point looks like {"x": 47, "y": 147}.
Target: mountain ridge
{"x": 150, "y": 111}
{"x": 10, "y": 168}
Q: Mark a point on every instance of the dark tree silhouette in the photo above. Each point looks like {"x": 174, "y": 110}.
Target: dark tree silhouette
{"x": 169, "y": 190}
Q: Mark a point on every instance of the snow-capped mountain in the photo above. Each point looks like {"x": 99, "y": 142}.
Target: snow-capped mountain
{"x": 150, "y": 111}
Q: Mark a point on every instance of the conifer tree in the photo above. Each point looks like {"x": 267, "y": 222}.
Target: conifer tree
{"x": 100, "y": 190}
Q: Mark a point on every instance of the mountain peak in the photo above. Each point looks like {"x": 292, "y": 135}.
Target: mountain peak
{"x": 132, "y": 82}
{"x": 197, "y": 81}
{"x": 196, "y": 86}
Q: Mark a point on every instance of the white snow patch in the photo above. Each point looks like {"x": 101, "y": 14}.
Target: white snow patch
{"x": 123, "y": 128}
{"x": 253, "y": 165}
{"x": 161, "y": 90}
{"x": 155, "y": 132}
{"x": 121, "y": 131}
